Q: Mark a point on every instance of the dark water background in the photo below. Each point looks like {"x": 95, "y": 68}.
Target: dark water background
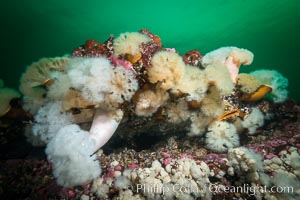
{"x": 269, "y": 28}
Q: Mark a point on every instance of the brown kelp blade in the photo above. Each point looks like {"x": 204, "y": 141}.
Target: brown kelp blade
{"x": 233, "y": 113}
{"x": 262, "y": 91}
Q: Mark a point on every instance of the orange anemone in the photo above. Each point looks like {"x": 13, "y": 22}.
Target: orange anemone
{"x": 133, "y": 58}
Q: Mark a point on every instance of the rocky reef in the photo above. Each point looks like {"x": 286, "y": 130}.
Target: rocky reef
{"x": 131, "y": 119}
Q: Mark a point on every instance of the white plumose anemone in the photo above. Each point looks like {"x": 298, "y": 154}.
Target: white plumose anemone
{"x": 221, "y": 136}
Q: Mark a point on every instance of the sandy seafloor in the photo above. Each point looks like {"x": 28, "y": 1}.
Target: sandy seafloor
{"x": 26, "y": 173}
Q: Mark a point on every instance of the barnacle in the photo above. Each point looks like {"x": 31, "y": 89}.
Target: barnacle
{"x": 192, "y": 57}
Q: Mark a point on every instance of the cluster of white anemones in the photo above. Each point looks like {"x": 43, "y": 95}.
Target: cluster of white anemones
{"x": 65, "y": 94}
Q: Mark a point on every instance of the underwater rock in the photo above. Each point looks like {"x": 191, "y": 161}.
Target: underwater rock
{"x": 176, "y": 122}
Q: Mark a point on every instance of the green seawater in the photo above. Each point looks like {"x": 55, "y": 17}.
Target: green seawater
{"x": 34, "y": 29}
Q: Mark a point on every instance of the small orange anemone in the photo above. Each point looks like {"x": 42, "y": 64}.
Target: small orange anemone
{"x": 262, "y": 91}
{"x": 194, "y": 105}
{"x": 48, "y": 82}
{"x": 133, "y": 58}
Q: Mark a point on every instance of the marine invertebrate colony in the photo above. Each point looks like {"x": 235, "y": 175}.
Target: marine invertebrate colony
{"x": 134, "y": 83}
{"x": 231, "y": 57}
{"x": 72, "y": 153}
